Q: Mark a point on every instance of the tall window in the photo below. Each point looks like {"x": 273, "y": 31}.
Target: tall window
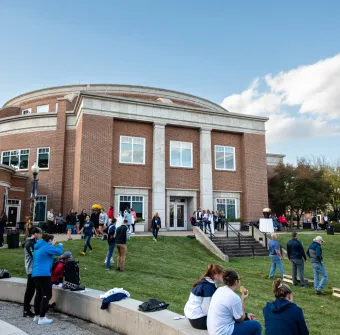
{"x": 43, "y": 158}
{"x": 17, "y": 159}
{"x": 181, "y": 154}
{"x": 225, "y": 158}
{"x": 134, "y": 202}
{"x": 56, "y": 107}
{"x": 132, "y": 150}
{"x": 40, "y": 208}
{"x": 228, "y": 206}
{"x": 42, "y": 109}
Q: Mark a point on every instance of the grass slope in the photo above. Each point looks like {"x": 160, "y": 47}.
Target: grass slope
{"x": 167, "y": 269}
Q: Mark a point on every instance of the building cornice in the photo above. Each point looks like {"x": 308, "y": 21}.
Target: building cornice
{"x": 7, "y": 168}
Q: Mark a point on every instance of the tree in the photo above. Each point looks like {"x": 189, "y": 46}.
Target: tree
{"x": 300, "y": 188}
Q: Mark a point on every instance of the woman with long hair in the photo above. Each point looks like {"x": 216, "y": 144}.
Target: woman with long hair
{"x": 155, "y": 225}
{"x": 71, "y": 220}
{"x": 282, "y": 316}
{"x": 226, "y": 314}
{"x": 44, "y": 252}
{"x": 196, "y": 308}
{"x": 222, "y": 220}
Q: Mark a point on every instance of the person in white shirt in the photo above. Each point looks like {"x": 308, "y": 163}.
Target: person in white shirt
{"x": 50, "y": 221}
{"x": 226, "y": 314}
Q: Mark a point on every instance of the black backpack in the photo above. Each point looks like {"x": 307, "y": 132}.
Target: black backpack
{"x": 4, "y": 274}
{"x": 71, "y": 272}
{"x": 153, "y": 305}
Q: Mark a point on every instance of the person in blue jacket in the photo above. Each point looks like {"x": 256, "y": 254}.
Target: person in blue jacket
{"x": 282, "y": 316}
{"x": 44, "y": 252}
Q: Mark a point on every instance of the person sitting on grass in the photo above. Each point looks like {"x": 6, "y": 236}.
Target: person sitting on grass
{"x": 282, "y": 316}
{"x": 88, "y": 231}
{"x": 196, "y": 308}
{"x": 111, "y": 240}
{"x": 226, "y": 314}
{"x": 58, "y": 270}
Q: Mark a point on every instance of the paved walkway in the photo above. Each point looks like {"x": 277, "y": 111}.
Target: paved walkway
{"x": 62, "y": 324}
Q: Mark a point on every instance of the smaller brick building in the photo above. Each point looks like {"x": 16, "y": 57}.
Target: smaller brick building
{"x": 146, "y": 148}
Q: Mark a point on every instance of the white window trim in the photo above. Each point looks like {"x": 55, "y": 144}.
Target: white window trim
{"x": 225, "y": 212}
{"x": 26, "y": 109}
{"x": 29, "y": 151}
{"x": 225, "y": 146}
{"x": 192, "y": 155}
{"x": 18, "y": 205}
{"x": 120, "y": 150}
{"x": 45, "y": 216}
{"x": 48, "y": 108}
{"x": 132, "y": 195}
{"x": 56, "y": 107}
{"x": 49, "y": 157}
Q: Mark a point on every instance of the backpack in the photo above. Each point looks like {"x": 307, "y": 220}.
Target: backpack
{"x": 111, "y": 232}
{"x": 153, "y": 305}
{"x": 56, "y": 261}
{"x": 4, "y": 274}
{"x": 71, "y": 272}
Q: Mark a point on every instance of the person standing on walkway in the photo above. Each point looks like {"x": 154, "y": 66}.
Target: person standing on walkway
{"x": 122, "y": 236}
{"x": 88, "y": 231}
{"x": 111, "y": 240}
{"x": 297, "y": 256}
{"x": 315, "y": 254}
{"x": 30, "y": 287}
{"x": 199, "y": 219}
{"x": 275, "y": 256}
{"x": 315, "y": 222}
{"x": 59, "y": 221}
{"x": 134, "y": 220}
{"x": 128, "y": 217}
{"x": 50, "y": 221}
{"x": 155, "y": 226}
{"x": 325, "y": 222}
{"x": 44, "y": 252}
{"x": 282, "y": 316}
{"x": 81, "y": 219}
{"x": 222, "y": 220}
{"x": 216, "y": 217}
{"x": 71, "y": 220}
{"x": 103, "y": 221}
{"x": 206, "y": 221}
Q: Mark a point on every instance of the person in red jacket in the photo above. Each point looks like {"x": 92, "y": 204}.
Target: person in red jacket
{"x": 58, "y": 271}
{"x": 110, "y": 213}
{"x": 283, "y": 221}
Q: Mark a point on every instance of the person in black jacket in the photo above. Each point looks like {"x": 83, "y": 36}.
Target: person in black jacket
{"x": 155, "y": 225}
{"x": 282, "y": 316}
{"x": 122, "y": 235}
{"x": 36, "y": 233}
{"x": 297, "y": 256}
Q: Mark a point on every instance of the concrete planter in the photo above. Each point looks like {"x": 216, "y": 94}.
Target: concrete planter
{"x": 235, "y": 225}
{"x": 140, "y": 227}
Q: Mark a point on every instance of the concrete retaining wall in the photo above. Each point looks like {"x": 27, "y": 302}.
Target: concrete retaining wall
{"x": 122, "y": 317}
{"x": 205, "y": 240}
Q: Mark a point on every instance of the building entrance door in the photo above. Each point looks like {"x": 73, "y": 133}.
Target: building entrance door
{"x": 13, "y": 212}
{"x": 178, "y": 214}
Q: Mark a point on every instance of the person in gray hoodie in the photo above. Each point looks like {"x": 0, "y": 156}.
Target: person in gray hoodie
{"x": 30, "y": 287}
{"x": 315, "y": 254}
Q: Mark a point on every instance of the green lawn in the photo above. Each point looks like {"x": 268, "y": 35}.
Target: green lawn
{"x": 167, "y": 269}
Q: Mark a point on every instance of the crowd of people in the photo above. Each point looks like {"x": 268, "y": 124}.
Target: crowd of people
{"x": 208, "y": 221}
{"x": 222, "y": 312}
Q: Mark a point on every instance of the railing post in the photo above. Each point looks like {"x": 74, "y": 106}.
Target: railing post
{"x": 265, "y": 240}
{"x": 252, "y": 231}
{"x": 227, "y": 229}
{"x": 252, "y": 249}
{"x": 239, "y": 241}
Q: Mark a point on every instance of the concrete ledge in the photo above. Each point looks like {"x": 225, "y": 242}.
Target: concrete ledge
{"x": 8, "y": 329}
{"x": 211, "y": 246}
{"x": 122, "y": 317}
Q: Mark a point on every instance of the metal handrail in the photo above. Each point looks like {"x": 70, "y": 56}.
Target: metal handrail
{"x": 239, "y": 236}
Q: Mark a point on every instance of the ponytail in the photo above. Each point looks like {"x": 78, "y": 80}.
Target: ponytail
{"x": 212, "y": 270}
{"x": 280, "y": 290}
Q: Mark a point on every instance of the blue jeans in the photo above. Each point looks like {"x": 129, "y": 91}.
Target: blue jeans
{"x": 110, "y": 255}
{"x": 276, "y": 261}
{"x": 87, "y": 243}
{"x": 319, "y": 269}
{"x": 247, "y": 327}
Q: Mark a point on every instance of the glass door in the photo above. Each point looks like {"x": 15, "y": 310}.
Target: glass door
{"x": 178, "y": 214}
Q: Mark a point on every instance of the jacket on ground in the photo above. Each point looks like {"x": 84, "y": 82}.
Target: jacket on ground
{"x": 43, "y": 258}
{"x": 282, "y": 317}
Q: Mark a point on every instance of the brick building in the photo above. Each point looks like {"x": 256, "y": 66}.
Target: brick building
{"x": 149, "y": 148}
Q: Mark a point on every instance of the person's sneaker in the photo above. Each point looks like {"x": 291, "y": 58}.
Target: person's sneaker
{"x": 155, "y": 240}
{"x": 90, "y": 250}
{"x": 133, "y": 233}
{"x": 36, "y": 318}
{"x": 112, "y": 261}
{"x": 44, "y": 321}
{"x": 105, "y": 261}
{"x": 28, "y": 314}
{"x": 118, "y": 269}
{"x": 83, "y": 253}
{"x": 304, "y": 286}
{"x": 320, "y": 293}
{"x": 107, "y": 269}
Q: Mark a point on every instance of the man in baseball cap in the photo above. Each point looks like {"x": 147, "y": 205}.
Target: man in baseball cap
{"x": 315, "y": 254}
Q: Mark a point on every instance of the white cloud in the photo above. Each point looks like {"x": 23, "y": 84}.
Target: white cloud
{"x": 301, "y": 102}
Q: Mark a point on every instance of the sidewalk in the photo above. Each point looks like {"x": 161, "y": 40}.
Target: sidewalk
{"x": 8, "y": 329}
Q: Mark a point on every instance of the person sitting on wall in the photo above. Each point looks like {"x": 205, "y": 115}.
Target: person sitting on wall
{"x": 58, "y": 269}
{"x": 196, "y": 308}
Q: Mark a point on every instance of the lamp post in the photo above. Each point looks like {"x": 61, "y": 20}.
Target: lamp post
{"x": 34, "y": 188}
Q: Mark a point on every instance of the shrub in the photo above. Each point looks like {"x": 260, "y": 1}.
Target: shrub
{"x": 337, "y": 227}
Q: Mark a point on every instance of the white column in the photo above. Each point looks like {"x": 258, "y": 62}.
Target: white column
{"x": 206, "y": 185}
{"x": 158, "y": 172}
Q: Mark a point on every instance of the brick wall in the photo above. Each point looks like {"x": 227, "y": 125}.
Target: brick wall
{"x": 130, "y": 174}
{"x": 227, "y": 180}
{"x": 254, "y": 174}
{"x": 51, "y": 101}
{"x": 9, "y": 111}
{"x": 182, "y": 177}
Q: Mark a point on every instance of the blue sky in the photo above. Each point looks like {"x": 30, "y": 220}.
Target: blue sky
{"x": 213, "y": 49}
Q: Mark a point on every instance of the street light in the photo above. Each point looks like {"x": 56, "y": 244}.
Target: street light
{"x": 34, "y": 188}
